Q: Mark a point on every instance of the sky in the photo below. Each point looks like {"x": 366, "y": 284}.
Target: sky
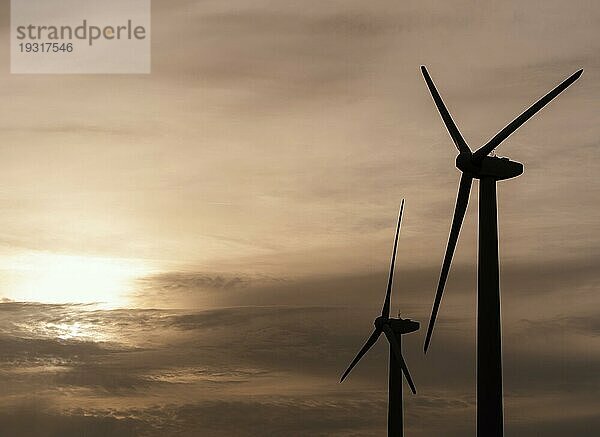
{"x": 202, "y": 250}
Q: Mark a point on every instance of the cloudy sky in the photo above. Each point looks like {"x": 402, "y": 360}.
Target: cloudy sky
{"x": 201, "y": 250}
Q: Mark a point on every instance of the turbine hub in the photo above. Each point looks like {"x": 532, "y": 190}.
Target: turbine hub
{"x": 464, "y": 162}
{"x": 380, "y": 321}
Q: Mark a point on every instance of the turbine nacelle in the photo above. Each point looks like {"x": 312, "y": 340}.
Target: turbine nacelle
{"x": 404, "y": 326}
{"x": 399, "y": 325}
{"x": 499, "y": 168}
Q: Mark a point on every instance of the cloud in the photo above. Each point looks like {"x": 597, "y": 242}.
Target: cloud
{"x": 192, "y": 281}
{"x": 278, "y": 415}
{"x": 218, "y": 370}
{"x": 583, "y": 325}
{"x": 179, "y": 289}
{"x": 34, "y": 419}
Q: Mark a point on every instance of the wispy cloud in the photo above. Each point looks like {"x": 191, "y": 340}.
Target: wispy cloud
{"x": 189, "y": 370}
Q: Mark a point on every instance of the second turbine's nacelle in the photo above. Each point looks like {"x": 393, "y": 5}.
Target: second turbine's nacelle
{"x": 404, "y": 326}
{"x": 399, "y": 325}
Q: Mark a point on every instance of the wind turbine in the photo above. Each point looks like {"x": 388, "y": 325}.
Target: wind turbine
{"x": 393, "y": 330}
{"x": 489, "y": 170}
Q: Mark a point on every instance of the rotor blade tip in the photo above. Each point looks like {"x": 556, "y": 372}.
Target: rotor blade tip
{"x": 579, "y": 73}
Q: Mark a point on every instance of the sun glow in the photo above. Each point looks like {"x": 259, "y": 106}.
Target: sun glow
{"x": 54, "y": 278}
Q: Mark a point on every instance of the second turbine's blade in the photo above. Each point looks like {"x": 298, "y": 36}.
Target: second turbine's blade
{"x": 385, "y": 312}
{"x": 398, "y": 354}
{"x": 521, "y": 119}
{"x": 370, "y": 342}
{"x": 462, "y": 200}
{"x": 459, "y": 141}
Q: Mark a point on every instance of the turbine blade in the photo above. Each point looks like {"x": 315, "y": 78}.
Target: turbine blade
{"x": 462, "y": 200}
{"x": 459, "y": 141}
{"x": 385, "y": 312}
{"x": 398, "y": 354}
{"x": 369, "y": 343}
{"x": 521, "y": 119}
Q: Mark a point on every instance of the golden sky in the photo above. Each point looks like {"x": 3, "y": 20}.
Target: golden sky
{"x": 259, "y": 168}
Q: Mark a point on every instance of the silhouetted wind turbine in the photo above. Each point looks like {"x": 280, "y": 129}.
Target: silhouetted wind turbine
{"x": 488, "y": 170}
{"x": 393, "y": 330}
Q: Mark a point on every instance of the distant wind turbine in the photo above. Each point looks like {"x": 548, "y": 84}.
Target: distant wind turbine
{"x": 393, "y": 330}
{"x": 489, "y": 170}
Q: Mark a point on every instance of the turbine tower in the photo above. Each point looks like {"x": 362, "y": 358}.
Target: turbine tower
{"x": 393, "y": 330}
{"x": 489, "y": 170}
